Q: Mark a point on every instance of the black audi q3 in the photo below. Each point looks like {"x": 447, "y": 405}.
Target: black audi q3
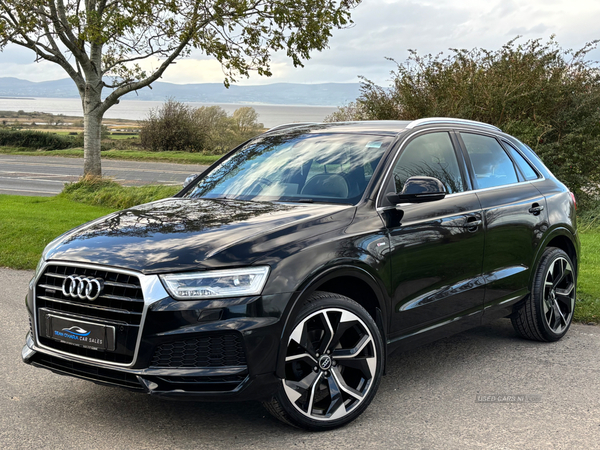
{"x": 290, "y": 269}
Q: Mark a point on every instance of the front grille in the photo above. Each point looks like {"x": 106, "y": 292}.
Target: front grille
{"x": 120, "y": 305}
{"x": 207, "y": 351}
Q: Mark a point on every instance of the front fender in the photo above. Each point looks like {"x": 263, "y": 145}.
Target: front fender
{"x": 318, "y": 279}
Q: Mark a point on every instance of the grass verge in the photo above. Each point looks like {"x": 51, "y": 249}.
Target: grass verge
{"x": 588, "y": 285}
{"x": 29, "y": 223}
{"x": 106, "y": 193}
{"x": 126, "y": 155}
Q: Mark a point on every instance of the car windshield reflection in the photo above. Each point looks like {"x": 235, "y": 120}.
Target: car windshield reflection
{"x": 297, "y": 167}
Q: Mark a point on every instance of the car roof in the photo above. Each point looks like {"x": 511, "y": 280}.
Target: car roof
{"x": 386, "y": 127}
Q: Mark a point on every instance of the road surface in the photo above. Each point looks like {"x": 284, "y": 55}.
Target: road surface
{"x": 46, "y": 175}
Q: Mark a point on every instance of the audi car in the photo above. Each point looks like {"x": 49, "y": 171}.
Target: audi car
{"x": 291, "y": 268}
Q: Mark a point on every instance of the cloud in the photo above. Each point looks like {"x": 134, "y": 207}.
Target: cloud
{"x": 41, "y": 71}
{"x": 189, "y": 70}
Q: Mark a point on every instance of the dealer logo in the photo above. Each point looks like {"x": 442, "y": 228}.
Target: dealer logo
{"x": 77, "y": 331}
{"x": 82, "y": 287}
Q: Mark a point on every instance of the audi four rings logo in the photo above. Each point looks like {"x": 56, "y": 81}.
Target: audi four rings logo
{"x": 82, "y": 287}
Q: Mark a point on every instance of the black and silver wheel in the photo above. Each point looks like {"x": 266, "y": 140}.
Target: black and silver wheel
{"x": 547, "y": 313}
{"x": 333, "y": 364}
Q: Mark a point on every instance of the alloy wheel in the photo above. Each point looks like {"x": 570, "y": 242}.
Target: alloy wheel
{"x": 559, "y": 295}
{"x": 330, "y": 364}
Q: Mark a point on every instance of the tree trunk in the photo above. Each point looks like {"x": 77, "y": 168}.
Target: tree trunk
{"x": 92, "y": 127}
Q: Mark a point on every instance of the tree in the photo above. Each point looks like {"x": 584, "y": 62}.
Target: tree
{"x": 101, "y": 43}
{"x": 175, "y": 126}
{"x": 215, "y": 124}
{"x": 172, "y": 128}
{"x": 246, "y": 121}
{"x": 546, "y": 96}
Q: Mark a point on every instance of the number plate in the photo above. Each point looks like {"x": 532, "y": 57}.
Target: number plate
{"x": 80, "y": 333}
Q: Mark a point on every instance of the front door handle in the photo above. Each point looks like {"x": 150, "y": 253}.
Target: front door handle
{"x": 473, "y": 222}
{"x": 536, "y": 209}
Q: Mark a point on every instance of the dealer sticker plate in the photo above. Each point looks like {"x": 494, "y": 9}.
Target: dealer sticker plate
{"x": 81, "y": 333}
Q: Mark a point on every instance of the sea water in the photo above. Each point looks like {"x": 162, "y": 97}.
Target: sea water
{"x": 268, "y": 115}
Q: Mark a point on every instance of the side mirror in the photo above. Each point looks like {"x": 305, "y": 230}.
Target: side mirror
{"x": 419, "y": 190}
{"x": 189, "y": 179}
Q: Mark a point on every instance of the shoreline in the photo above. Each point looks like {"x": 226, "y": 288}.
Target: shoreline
{"x": 240, "y": 103}
{"x": 136, "y": 110}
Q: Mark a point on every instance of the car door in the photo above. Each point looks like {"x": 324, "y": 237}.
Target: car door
{"x": 436, "y": 249}
{"x": 514, "y": 217}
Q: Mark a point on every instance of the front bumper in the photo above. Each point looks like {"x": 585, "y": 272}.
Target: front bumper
{"x": 216, "y": 350}
{"x": 215, "y": 384}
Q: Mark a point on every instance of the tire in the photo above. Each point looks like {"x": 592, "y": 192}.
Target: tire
{"x": 546, "y": 314}
{"x": 333, "y": 364}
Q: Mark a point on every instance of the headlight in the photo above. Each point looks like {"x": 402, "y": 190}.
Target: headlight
{"x": 216, "y": 283}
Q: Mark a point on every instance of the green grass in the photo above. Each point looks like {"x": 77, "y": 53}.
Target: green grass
{"x": 123, "y": 136}
{"x": 109, "y": 194}
{"x": 588, "y": 284}
{"x": 29, "y": 223}
{"x": 117, "y": 136}
{"x": 129, "y": 155}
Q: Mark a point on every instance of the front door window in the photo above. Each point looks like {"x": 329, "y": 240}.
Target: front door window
{"x": 429, "y": 155}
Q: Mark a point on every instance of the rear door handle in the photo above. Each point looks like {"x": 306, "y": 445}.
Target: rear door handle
{"x": 536, "y": 209}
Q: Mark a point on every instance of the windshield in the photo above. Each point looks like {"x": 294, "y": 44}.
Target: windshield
{"x": 297, "y": 167}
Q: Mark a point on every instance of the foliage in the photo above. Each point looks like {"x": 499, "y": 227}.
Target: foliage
{"x": 245, "y": 121}
{"x": 546, "y": 96}
{"x": 104, "y": 45}
{"x": 102, "y": 192}
{"x": 350, "y": 112}
{"x": 171, "y": 127}
{"x": 178, "y": 127}
{"x": 215, "y": 126}
{"x": 34, "y": 139}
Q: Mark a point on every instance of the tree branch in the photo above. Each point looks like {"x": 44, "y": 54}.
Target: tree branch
{"x": 59, "y": 20}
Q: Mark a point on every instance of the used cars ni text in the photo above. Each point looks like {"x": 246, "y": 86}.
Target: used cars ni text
{"x": 290, "y": 269}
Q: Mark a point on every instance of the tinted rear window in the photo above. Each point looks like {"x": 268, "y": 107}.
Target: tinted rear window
{"x": 491, "y": 165}
{"x": 528, "y": 172}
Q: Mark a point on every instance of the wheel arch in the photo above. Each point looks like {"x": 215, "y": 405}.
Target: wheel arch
{"x": 560, "y": 238}
{"x": 350, "y": 281}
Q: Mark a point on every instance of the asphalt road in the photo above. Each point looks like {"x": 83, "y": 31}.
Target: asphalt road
{"x": 428, "y": 400}
{"x": 46, "y": 175}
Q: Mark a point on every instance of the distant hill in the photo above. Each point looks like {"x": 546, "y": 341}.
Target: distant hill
{"x": 326, "y": 94}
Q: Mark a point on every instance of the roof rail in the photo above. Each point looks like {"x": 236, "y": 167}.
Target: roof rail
{"x": 290, "y": 125}
{"x": 431, "y": 120}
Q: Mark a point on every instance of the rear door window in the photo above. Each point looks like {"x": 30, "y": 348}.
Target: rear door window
{"x": 491, "y": 165}
{"x": 528, "y": 172}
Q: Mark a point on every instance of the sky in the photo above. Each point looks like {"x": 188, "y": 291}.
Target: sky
{"x": 386, "y": 28}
